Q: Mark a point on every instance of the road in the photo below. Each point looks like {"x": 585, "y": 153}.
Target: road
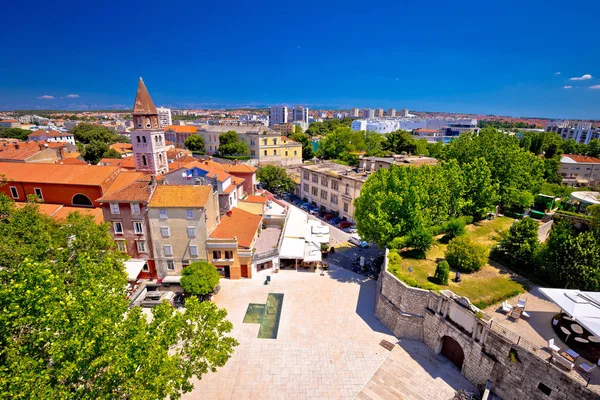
{"x": 336, "y": 235}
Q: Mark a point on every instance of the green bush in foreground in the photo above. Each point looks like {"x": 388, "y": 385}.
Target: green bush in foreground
{"x": 466, "y": 255}
{"x": 442, "y": 273}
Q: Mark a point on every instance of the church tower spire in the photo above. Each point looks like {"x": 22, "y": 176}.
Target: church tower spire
{"x": 148, "y": 140}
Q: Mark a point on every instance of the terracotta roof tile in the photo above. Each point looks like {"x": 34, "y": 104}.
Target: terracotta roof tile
{"x": 143, "y": 102}
{"x": 122, "y": 147}
{"x": 577, "y": 158}
{"x": 138, "y": 191}
{"x": 127, "y": 162}
{"x": 182, "y": 128}
{"x": 238, "y": 223}
{"x": 88, "y": 175}
{"x": 256, "y": 199}
{"x": 59, "y": 212}
{"x": 124, "y": 179}
{"x": 169, "y": 196}
{"x": 24, "y": 151}
{"x": 239, "y": 168}
{"x": 71, "y": 161}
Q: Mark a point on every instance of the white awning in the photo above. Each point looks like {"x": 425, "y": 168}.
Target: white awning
{"x": 296, "y": 224}
{"x": 583, "y": 307}
{"x": 292, "y": 248}
{"x": 171, "y": 279}
{"x": 317, "y": 232}
{"x": 133, "y": 268}
{"x": 312, "y": 252}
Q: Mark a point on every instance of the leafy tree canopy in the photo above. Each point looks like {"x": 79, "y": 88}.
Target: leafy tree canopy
{"x": 230, "y": 144}
{"x": 200, "y": 278}
{"x": 87, "y": 133}
{"x": 66, "y": 329}
{"x": 466, "y": 255}
{"x": 111, "y": 153}
{"x": 195, "y": 143}
{"x": 276, "y": 179}
{"x": 14, "y": 133}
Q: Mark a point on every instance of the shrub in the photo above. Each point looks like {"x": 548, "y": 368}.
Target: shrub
{"x": 420, "y": 239}
{"x": 199, "y": 278}
{"x": 442, "y": 273}
{"x": 455, "y": 227}
{"x": 465, "y": 255}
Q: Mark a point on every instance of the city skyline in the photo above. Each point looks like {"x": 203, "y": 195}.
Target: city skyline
{"x": 472, "y": 58}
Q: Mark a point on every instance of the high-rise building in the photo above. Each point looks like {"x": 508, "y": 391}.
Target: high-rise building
{"x": 354, "y": 112}
{"x": 367, "y": 113}
{"x": 392, "y": 112}
{"x": 379, "y": 113}
{"x": 147, "y": 138}
{"x": 300, "y": 114}
{"x": 164, "y": 117}
{"x": 404, "y": 113}
{"x": 278, "y": 115}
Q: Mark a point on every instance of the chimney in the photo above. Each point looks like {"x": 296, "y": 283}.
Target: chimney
{"x": 215, "y": 183}
{"x": 17, "y": 146}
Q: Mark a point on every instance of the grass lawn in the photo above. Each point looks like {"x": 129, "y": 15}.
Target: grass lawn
{"x": 493, "y": 283}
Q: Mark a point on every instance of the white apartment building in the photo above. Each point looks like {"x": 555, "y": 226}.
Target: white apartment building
{"x": 368, "y": 113}
{"x": 410, "y": 124}
{"x": 391, "y": 112}
{"x": 379, "y": 113}
{"x": 404, "y": 113}
{"x": 359, "y": 125}
{"x": 278, "y": 115}
{"x": 581, "y": 132}
{"x": 354, "y": 113}
{"x": 164, "y": 117}
{"x": 579, "y": 170}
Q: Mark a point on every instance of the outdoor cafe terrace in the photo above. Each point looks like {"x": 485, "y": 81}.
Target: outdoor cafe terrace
{"x": 552, "y": 332}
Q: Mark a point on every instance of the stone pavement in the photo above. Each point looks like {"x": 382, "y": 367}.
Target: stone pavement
{"x": 412, "y": 371}
{"x": 327, "y": 346}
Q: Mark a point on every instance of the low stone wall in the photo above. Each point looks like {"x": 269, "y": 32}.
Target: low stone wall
{"x": 426, "y": 316}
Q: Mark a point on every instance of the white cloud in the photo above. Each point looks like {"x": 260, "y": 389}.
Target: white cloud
{"x": 567, "y": 87}
{"x": 46, "y": 97}
{"x": 72, "y": 96}
{"x": 557, "y": 73}
{"x": 595, "y": 87}
{"x": 582, "y": 78}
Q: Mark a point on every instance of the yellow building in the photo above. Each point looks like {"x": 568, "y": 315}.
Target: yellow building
{"x": 273, "y": 148}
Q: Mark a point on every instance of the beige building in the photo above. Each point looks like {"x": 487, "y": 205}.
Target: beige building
{"x": 578, "y": 170}
{"x": 334, "y": 187}
{"x": 264, "y": 145}
{"x": 181, "y": 218}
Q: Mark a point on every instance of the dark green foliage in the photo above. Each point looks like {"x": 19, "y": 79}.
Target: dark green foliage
{"x": 230, "y": 144}
{"x": 327, "y": 126}
{"x": 195, "y": 143}
{"x": 199, "y": 278}
{"x": 400, "y": 141}
{"x": 466, "y": 255}
{"x": 521, "y": 242}
{"x": 276, "y": 179}
{"x": 94, "y": 151}
{"x": 420, "y": 239}
{"x": 504, "y": 125}
{"x": 14, "y": 133}
{"x": 455, "y": 227}
{"x": 111, "y": 153}
{"x": 442, "y": 273}
{"x": 88, "y": 133}
{"x": 66, "y": 327}
{"x": 307, "y": 148}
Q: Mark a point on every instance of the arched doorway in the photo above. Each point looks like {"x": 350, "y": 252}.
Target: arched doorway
{"x": 81, "y": 200}
{"x": 452, "y": 351}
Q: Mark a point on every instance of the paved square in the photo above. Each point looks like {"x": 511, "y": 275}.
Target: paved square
{"x": 327, "y": 345}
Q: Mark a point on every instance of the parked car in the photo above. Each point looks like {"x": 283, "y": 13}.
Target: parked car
{"x": 345, "y": 224}
{"x": 355, "y": 240}
{"x": 305, "y": 206}
{"x": 351, "y": 229}
{"x": 328, "y": 217}
{"x": 335, "y": 221}
{"x": 314, "y": 212}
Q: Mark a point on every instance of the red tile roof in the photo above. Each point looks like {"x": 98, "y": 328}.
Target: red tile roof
{"x": 182, "y": 128}
{"x": 125, "y": 178}
{"x": 127, "y": 162}
{"x": 240, "y": 224}
{"x": 242, "y": 168}
{"x": 60, "y": 212}
{"x": 23, "y": 152}
{"x": 582, "y": 159}
{"x": 71, "y": 161}
{"x": 138, "y": 191}
{"x": 180, "y": 196}
{"x": 256, "y": 199}
{"x": 87, "y": 175}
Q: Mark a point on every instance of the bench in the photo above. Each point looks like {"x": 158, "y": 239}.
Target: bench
{"x": 563, "y": 362}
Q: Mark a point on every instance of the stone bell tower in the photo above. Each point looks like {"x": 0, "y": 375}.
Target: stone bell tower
{"x": 147, "y": 138}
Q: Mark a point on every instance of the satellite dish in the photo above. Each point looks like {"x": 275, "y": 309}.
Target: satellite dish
{"x": 183, "y": 174}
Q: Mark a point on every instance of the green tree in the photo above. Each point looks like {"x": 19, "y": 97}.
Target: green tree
{"x": 66, "y": 328}
{"x": 231, "y": 145}
{"x": 442, "y": 273}
{"x": 422, "y": 147}
{"x": 195, "y": 143}
{"x": 521, "y": 242}
{"x": 94, "y": 151}
{"x": 571, "y": 259}
{"x": 374, "y": 144}
{"x": 481, "y": 193}
{"x": 307, "y": 148}
{"x": 435, "y": 149}
{"x": 88, "y": 133}
{"x": 200, "y": 278}
{"x": 276, "y": 179}
{"x": 111, "y": 153}
{"x": 400, "y": 141}
{"x": 466, "y": 255}
{"x": 454, "y": 227}
{"x": 420, "y": 239}
{"x": 14, "y": 133}
{"x": 593, "y": 148}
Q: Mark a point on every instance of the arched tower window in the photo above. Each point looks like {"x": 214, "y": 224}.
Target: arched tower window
{"x": 148, "y": 125}
{"x": 160, "y": 159}
{"x": 144, "y": 161}
{"x": 144, "y": 139}
{"x": 81, "y": 200}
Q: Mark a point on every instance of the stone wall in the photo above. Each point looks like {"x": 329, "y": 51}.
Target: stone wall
{"x": 426, "y": 316}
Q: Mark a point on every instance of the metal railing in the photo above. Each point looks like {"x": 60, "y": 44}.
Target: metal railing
{"x": 265, "y": 254}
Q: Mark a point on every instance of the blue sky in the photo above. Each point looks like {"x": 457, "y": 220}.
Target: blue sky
{"x": 468, "y": 56}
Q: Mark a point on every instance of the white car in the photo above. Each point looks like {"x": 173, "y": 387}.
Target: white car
{"x": 357, "y": 241}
